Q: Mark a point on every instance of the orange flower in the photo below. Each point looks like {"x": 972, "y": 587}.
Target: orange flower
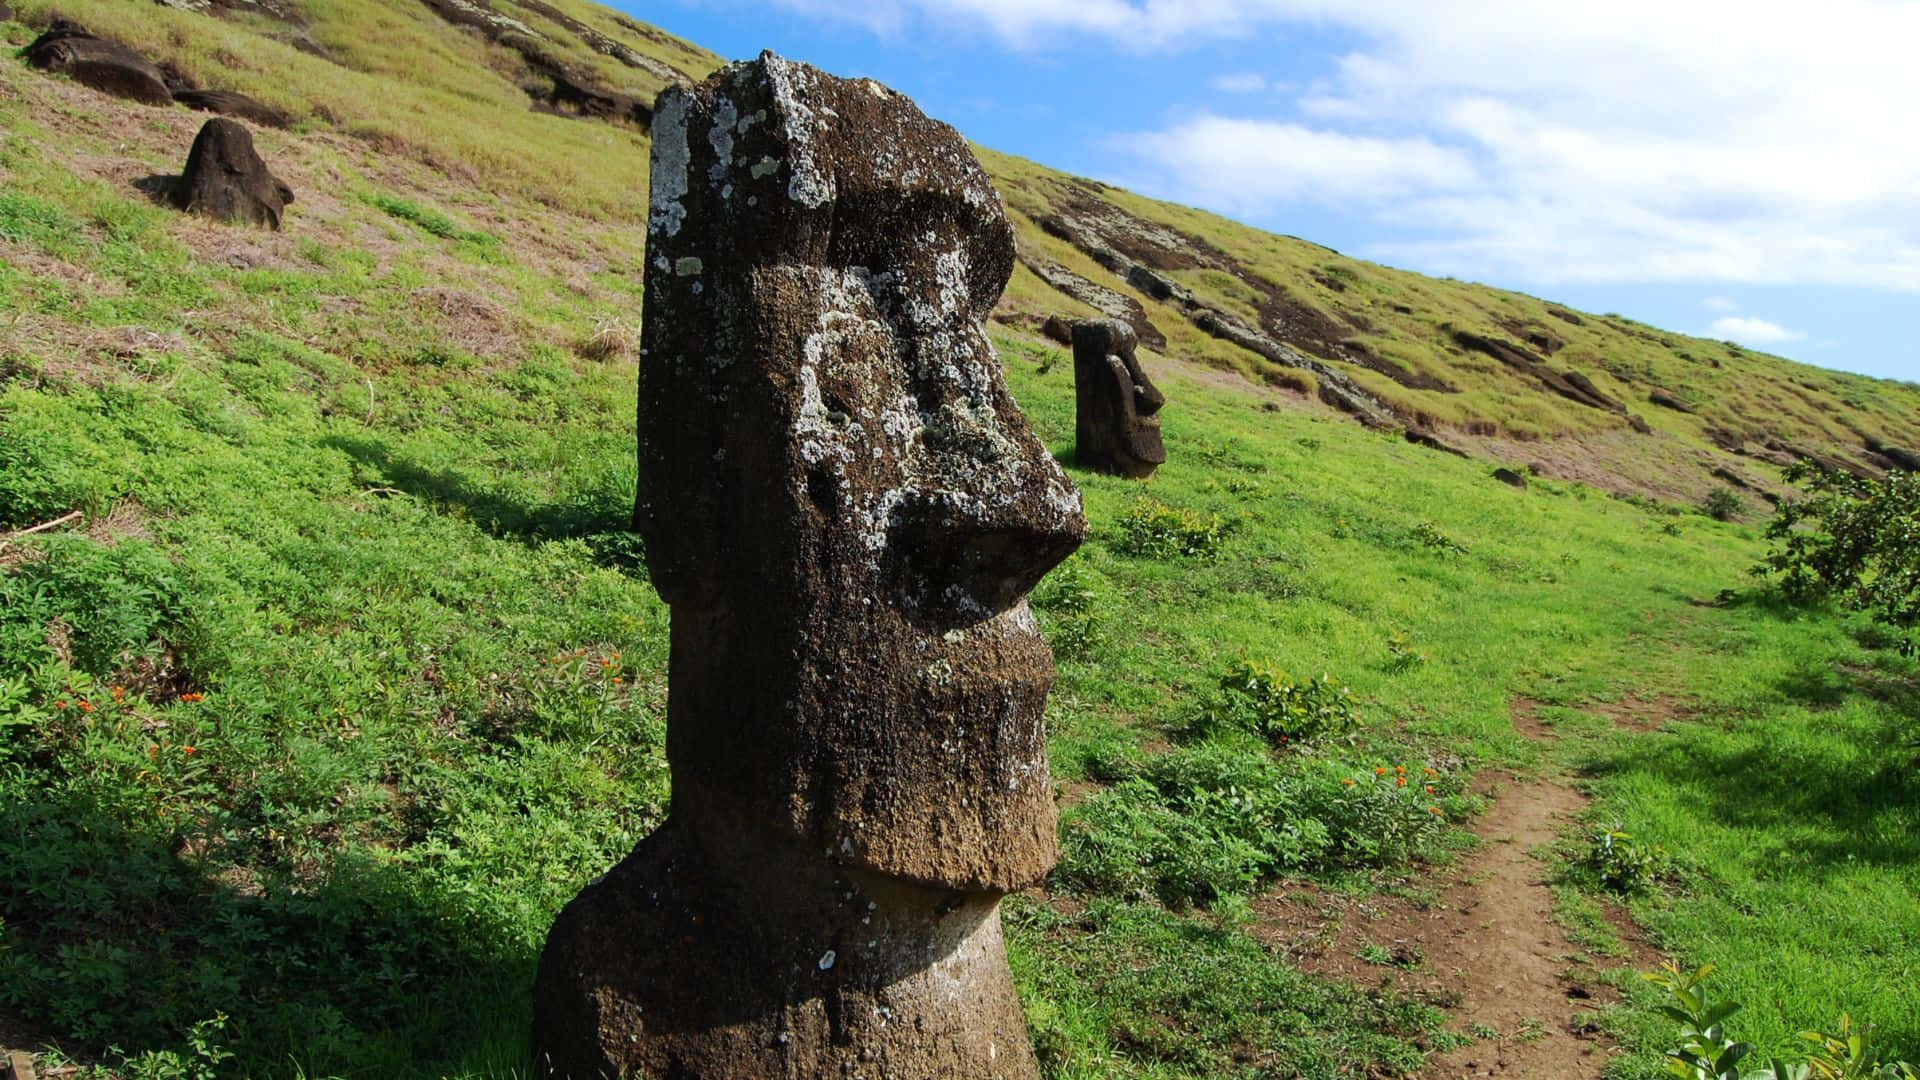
{"x": 1433, "y": 809}
{"x": 59, "y": 704}
{"x": 1429, "y": 789}
{"x": 119, "y": 693}
{"x": 1347, "y": 781}
{"x": 1399, "y": 781}
{"x": 1400, "y": 769}
{"x": 616, "y": 680}
{"x": 1380, "y": 771}
{"x": 152, "y": 750}
{"x": 86, "y": 707}
{"x": 1429, "y": 772}
{"x": 186, "y": 749}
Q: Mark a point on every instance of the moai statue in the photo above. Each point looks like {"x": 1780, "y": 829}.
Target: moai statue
{"x": 845, "y": 511}
{"x": 1116, "y": 423}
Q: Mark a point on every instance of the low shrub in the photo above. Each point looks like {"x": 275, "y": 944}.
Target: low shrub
{"x": 1258, "y": 697}
{"x": 1151, "y": 529}
{"x": 1209, "y": 822}
{"x": 1616, "y": 862}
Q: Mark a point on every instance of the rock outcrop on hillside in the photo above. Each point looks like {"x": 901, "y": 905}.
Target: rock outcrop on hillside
{"x": 69, "y": 49}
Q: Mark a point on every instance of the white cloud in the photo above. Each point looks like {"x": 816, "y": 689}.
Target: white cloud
{"x": 1745, "y": 141}
{"x": 1239, "y": 164}
{"x": 1720, "y": 303}
{"x": 1244, "y": 83}
{"x": 1752, "y": 331}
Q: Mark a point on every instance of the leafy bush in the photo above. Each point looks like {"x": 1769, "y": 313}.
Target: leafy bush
{"x": 1721, "y": 504}
{"x": 1151, "y": 529}
{"x": 1431, "y": 538}
{"x": 1618, "y": 863}
{"x": 1209, "y": 822}
{"x": 1850, "y": 538}
{"x": 1258, "y": 697}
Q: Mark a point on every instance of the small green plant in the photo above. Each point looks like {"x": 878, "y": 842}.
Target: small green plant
{"x": 1721, "y": 504}
{"x": 1707, "y": 1052}
{"x": 1618, "y": 863}
{"x": 1153, "y": 530}
{"x": 1433, "y": 539}
{"x": 1069, "y": 603}
{"x": 1259, "y": 697}
{"x": 1401, "y": 655}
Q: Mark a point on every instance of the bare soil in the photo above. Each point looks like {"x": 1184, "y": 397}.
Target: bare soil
{"x": 1477, "y": 939}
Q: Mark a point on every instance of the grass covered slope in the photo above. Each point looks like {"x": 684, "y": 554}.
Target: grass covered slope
{"x": 347, "y": 676}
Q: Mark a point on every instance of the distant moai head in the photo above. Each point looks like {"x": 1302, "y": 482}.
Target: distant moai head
{"x": 839, "y": 499}
{"x": 1117, "y": 426}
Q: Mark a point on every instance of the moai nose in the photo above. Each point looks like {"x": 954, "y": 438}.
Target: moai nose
{"x": 964, "y": 560}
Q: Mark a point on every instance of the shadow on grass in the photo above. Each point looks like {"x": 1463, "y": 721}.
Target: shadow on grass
{"x": 112, "y": 934}
{"x": 1831, "y": 810}
{"x": 603, "y": 520}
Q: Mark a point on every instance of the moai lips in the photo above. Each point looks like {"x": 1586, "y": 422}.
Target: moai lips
{"x": 1117, "y": 423}
{"x": 845, "y": 511}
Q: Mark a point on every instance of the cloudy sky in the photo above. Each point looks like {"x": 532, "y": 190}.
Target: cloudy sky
{"x": 1748, "y": 171}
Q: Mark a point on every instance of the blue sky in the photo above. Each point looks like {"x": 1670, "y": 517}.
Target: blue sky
{"x": 1742, "y": 170}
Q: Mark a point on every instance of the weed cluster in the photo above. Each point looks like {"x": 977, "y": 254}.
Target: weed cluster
{"x": 1258, "y": 697}
{"x": 1616, "y": 862}
{"x": 1206, "y": 823}
{"x": 1150, "y": 529}
{"x": 1068, "y": 602}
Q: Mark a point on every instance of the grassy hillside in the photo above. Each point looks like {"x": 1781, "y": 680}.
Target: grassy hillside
{"x": 346, "y": 674}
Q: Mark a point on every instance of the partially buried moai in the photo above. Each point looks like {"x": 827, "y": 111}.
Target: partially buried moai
{"x": 845, "y": 511}
{"x": 1117, "y": 422}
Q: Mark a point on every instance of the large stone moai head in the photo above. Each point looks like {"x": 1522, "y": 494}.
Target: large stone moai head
{"x": 1117, "y": 423}
{"x": 840, "y": 501}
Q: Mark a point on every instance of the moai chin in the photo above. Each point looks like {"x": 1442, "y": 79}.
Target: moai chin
{"x": 1116, "y": 423}
{"x": 845, "y": 511}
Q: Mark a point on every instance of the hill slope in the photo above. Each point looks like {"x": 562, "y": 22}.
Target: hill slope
{"x": 492, "y": 99}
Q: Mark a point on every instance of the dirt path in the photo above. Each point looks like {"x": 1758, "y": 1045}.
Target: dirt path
{"x": 1479, "y": 940}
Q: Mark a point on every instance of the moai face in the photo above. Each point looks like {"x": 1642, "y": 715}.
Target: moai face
{"x": 1118, "y": 407}
{"x": 839, "y": 498}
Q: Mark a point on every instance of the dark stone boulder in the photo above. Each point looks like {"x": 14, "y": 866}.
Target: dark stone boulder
{"x": 1422, "y": 437}
{"x": 1116, "y": 407}
{"x": 226, "y": 180}
{"x": 1667, "y": 400}
{"x": 1057, "y": 329}
{"x": 1511, "y": 478}
{"x": 67, "y": 48}
{"x": 229, "y": 103}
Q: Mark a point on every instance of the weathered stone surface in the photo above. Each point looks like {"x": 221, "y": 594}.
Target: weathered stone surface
{"x": 1057, "y": 329}
{"x": 1511, "y": 478}
{"x": 844, "y": 510}
{"x": 229, "y": 103}
{"x": 1423, "y": 437}
{"x": 1116, "y": 407}
{"x": 69, "y": 49}
{"x": 1666, "y": 400}
{"x": 226, "y": 180}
